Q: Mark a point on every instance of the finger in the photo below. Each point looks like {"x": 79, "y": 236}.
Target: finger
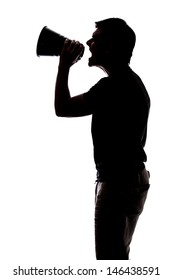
{"x": 67, "y": 43}
{"x": 73, "y": 46}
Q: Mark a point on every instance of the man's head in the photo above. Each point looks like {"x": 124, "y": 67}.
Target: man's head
{"x": 112, "y": 42}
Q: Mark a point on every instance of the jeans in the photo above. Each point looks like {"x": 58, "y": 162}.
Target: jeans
{"x": 117, "y": 209}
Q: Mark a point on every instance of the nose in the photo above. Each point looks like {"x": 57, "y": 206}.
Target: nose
{"x": 89, "y": 42}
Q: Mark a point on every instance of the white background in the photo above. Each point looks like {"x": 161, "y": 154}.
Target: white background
{"x": 46, "y": 163}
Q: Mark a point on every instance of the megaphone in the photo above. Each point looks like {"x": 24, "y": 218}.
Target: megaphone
{"x": 49, "y": 43}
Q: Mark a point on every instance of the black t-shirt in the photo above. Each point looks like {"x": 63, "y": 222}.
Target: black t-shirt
{"x": 120, "y": 107}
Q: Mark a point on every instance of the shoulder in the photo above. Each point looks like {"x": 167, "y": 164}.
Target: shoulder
{"x": 140, "y": 87}
{"x": 96, "y": 89}
{"x": 100, "y": 84}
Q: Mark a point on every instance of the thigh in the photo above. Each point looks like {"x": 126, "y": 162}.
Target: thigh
{"x": 133, "y": 202}
{"x": 116, "y": 216}
{"x": 110, "y": 224}
{"x": 133, "y": 207}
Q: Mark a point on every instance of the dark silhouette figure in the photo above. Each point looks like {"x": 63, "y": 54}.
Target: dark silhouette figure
{"x": 119, "y": 104}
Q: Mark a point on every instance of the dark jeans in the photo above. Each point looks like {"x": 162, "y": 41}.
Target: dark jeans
{"x": 117, "y": 209}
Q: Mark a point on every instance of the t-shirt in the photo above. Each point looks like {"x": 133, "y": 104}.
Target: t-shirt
{"x": 120, "y": 107}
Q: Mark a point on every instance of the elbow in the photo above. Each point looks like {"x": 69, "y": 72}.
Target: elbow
{"x": 59, "y": 111}
{"x": 58, "y": 114}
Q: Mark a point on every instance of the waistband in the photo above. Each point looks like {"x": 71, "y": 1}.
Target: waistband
{"x": 111, "y": 173}
{"x": 126, "y": 176}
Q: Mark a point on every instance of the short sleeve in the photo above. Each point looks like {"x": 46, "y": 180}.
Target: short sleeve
{"x": 93, "y": 96}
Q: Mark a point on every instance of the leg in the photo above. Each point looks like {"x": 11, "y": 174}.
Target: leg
{"x": 116, "y": 215}
{"x": 110, "y": 223}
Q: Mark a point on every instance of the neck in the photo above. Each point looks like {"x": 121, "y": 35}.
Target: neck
{"x": 115, "y": 69}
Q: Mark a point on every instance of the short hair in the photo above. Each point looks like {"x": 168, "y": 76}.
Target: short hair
{"x": 120, "y": 34}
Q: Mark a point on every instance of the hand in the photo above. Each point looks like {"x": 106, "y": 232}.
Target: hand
{"x": 72, "y": 52}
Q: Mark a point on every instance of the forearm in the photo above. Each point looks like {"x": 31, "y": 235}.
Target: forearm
{"x": 62, "y": 94}
{"x": 70, "y": 54}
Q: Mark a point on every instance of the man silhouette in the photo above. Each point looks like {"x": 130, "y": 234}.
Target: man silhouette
{"x": 119, "y": 104}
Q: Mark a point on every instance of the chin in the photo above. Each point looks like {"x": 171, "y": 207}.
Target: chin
{"x": 91, "y": 62}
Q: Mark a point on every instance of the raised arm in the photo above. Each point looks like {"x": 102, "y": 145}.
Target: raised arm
{"x": 65, "y": 105}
